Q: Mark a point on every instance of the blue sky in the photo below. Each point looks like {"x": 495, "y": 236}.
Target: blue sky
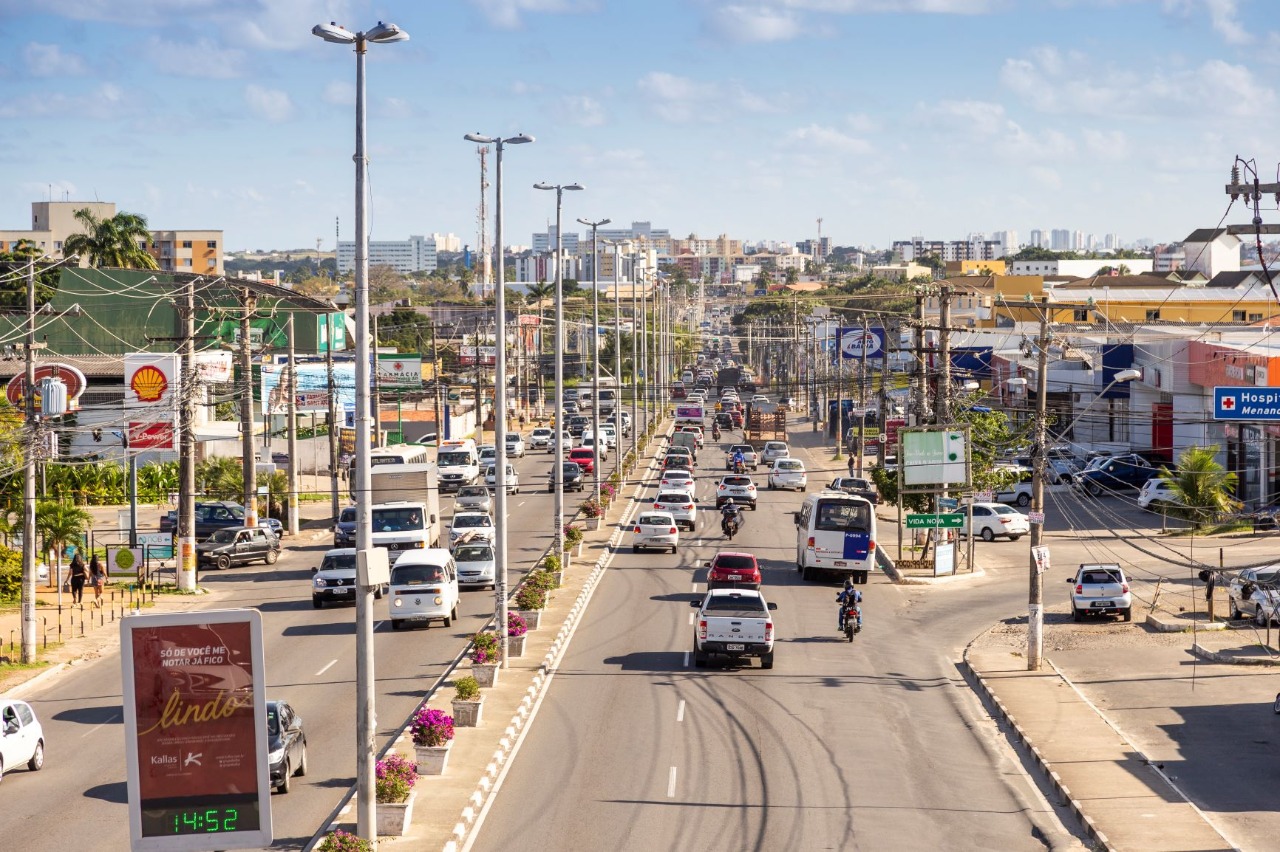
{"x": 887, "y": 118}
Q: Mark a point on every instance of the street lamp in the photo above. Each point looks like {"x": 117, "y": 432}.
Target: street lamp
{"x": 595, "y": 348}
{"x": 366, "y": 729}
{"x": 557, "y": 472}
{"x": 1035, "y": 606}
{"x": 500, "y": 393}
{"x": 617, "y": 357}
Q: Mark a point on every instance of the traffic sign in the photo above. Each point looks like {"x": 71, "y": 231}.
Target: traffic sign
{"x": 942, "y": 522}
{"x": 1246, "y": 403}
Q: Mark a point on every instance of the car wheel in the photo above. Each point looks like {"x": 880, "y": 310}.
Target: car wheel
{"x": 699, "y": 659}
{"x": 766, "y": 661}
{"x": 395, "y": 624}
{"x": 271, "y": 557}
{"x": 673, "y": 548}
{"x": 1093, "y": 490}
{"x": 223, "y": 562}
{"x": 36, "y": 763}
{"x": 807, "y": 574}
{"x": 1276, "y": 706}
{"x": 1235, "y": 613}
{"x": 377, "y": 593}
{"x": 1015, "y": 537}
{"x": 317, "y": 603}
{"x": 1127, "y": 613}
{"x": 1076, "y": 615}
{"x": 988, "y": 534}
{"x": 771, "y": 488}
{"x": 285, "y": 780}
{"x": 1024, "y": 499}
{"x": 302, "y": 762}
{"x": 1259, "y": 619}
{"x": 635, "y": 548}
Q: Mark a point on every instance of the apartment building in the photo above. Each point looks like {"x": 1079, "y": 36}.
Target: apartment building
{"x": 416, "y": 254}
{"x": 198, "y": 252}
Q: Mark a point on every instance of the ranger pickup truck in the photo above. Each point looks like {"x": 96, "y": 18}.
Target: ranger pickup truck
{"x": 1100, "y": 589}
{"x": 733, "y": 624}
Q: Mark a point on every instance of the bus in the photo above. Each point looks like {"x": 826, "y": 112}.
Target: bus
{"x": 835, "y": 534}
{"x": 399, "y": 454}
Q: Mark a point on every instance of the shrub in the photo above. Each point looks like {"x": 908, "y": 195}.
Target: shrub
{"x": 531, "y": 598}
{"x": 572, "y": 535}
{"x": 516, "y": 625}
{"x": 544, "y": 580}
{"x": 395, "y": 779}
{"x": 592, "y": 508}
{"x": 485, "y": 647}
{"x": 551, "y": 563}
{"x": 341, "y": 841}
{"x": 431, "y": 727}
{"x": 608, "y": 492}
{"x": 466, "y": 689}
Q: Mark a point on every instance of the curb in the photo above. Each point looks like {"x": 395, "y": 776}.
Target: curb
{"x": 31, "y": 683}
{"x": 1198, "y": 650}
{"x": 885, "y": 561}
{"x": 1160, "y": 625}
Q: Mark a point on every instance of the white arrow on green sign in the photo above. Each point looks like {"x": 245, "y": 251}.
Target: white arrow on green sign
{"x": 945, "y": 522}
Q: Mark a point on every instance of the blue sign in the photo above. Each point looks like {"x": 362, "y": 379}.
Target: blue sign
{"x": 853, "y": 346}
{"x": 1257, "y": 404}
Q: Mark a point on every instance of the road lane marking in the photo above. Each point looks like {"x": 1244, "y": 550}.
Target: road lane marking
{"x": 521, "y": 503}
{"x": 671, "y": 784}
{"x": 331, "y": 664}
{"x": 686, "y": 660}
{"x": 102, "y": 724}
{"x": 680, "y": 711}
{"x": 691, "y": 615}
{"x": 694, "y": 589}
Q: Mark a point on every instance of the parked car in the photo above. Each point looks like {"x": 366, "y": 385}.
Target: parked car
{"x": 681, "y": 506}
{"x": 571, "y": 477}
{"x": 788, "y": 473}
{"x": 238, "y": 546}
{"x": 286, "y": 745}
{"x": 1157, "y": 493}
{"x": 21, "y": 736}
{"x": 475, "y": 498}
{"x": 655, "y": 530}
{"x": 1116, "y": 473}
{"x": 540, "y": 438}
{"x": 430, "y": 439}
{"x": 210, "y": 517}
{"x": 1020, "y": 491}
{"x": 733, "y": 570}
{"x": 1252, "y": 591}
{"x": 334, "y": 580}
{"x": 1100, "y": 589}
{"x": 991, "y": 520}
{"x": 472, "y": 526}
{"x": 857, "y": 486}
{"x": 476, "y": 564}
{"x": 774, "y": 450}
{"x": 739, "y": 487}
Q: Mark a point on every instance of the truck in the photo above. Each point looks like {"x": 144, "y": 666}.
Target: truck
{"x": 459, "y": 464}
{"x": 765, "y": 421}
{"x": 692, "y": 413}
{"x": 1100, "y": 589}
{"x": 734, "y": 624}
{"x": 413, "y": 484}
{"x": 728, "y": 377}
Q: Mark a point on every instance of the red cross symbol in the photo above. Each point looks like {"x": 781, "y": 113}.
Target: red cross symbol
{"x": 1228, "y": 403}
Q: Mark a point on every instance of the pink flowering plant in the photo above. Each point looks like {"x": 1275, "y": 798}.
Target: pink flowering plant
{"x": 432, "y": 728}
{"x": 516, "y": 625}
{"x": 342, "y": 841}
{"x": 395, "y": 778}
{"x": 608, "y": 492}
{"x": 485, "y": 648}
{"x": 592, "y": 508}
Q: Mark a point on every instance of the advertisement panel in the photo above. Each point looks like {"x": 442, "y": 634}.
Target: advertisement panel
{"x": 312, "y": 384}
{"x": 853, "y": 343}
{"x": 151, "y": 436}
{"x": 934, "y": 457}
{"x": 891, "y": 429}
{"x": 400, "y": 371}
{"x": 196, "y": 731}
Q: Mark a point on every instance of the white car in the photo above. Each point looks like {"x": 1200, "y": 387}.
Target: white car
{"x": 488, "y": 454}
{"x": 1252, "y": 593}
{"x": 474, "y": 497}
{"x": 655, "y": 529}
{"x": 996, "y": 519}
{"x": 774, "y": 450}
{"x": 626, "y": 422}
{"x": 1156, "y": 492}
{"x": 476, "y": 564}
{"x": 681, "y": 505}
{"x": 788, "y": 473}
{"x": 474, "y": 526}
{"x": 540, "y": 438}
{"x": 759, "y": 398}
{"x": 515, "y": 446}
{"x": 589, "y": 441}
{"x": 566, "y": 442}
{"x": 513, "y": 478}
{"x": 679, "y": 479}
{"x": 21, "y": 737}
{"x": 610, "y": 435}
{"x": 737, "y": 487}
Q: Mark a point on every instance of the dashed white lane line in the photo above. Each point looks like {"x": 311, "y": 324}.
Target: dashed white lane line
{"x": 103, "y": 724}
{"x": 680, "y": 709}
{"x": 686, "y": 659}
{"x": 330, "y": 665}
{"x": 671, "y": 784}
{"x": 691, "y": 615}
{"x": 521, "y": 503}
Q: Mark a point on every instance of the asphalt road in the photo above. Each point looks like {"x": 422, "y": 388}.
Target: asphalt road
{"x": 309, "y": 657}
{"x": 872, "y": 745}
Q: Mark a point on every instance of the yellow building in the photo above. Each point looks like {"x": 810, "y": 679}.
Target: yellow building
{"x": 959, "y": 268}
{"x": 199, "y": 252}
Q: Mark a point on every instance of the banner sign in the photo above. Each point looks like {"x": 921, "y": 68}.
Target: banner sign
{"x": 74, "y": 379}
{"x": 853, "y": 344}
{"x": 400, "y": 371}
{"x": 311, "y": 385}
{"x": 933, "y": 457}
{"x": 196, "y": 738}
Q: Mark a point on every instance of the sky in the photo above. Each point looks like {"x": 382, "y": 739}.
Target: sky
{"x": 752, "y": 118}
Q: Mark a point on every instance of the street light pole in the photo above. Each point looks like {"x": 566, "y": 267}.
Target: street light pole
{"x": 500, "y": 522}
{"x": 617, "y": 358}
{"x": 557, "y": 472}
{"x": 366, "y": 719}
{"x": 595, "y": 350}
{"x": 635, "y": 360}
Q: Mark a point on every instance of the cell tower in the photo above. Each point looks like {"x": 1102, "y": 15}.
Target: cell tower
{"x": 483, "y": 279}
{"x": 817, "y": 248}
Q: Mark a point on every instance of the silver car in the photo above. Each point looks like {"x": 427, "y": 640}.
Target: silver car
{"x": 475, "y": 498}
{"x": 476, "y": 564}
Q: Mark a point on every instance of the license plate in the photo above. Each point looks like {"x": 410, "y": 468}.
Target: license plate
{"x": 732, "y": 646}
{"x": 840, "y": 563}
{"x": 1103, "y": 604}
{"x": 342, "y": 590}
{"x": 733, "y": 578}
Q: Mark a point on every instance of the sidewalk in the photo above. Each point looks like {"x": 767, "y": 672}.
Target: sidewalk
{"x": 1123, "y": 801}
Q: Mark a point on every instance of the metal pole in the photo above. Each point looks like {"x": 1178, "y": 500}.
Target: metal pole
{"x": 595, "y": 353}
{"x": 839, "y": 395}
{"x": 186, "y": 543}
{"x": 1035, "y": 596}
{"x": 944, "y": 366}
{"x": 291, "y": 409}
{"x": 617, "y": 358}
{"x": 332, "y": 384}
{"x": 29, "y": 478}
{"x": 635, "y": 360}
{"x": 862, "y": 397}
{"x": 377, "y": 385}
{"x": 500, "y": 418}
{"x": 642, "y": 328}
{"x": 557, "y": 474}
{"x": 248, "y": 467}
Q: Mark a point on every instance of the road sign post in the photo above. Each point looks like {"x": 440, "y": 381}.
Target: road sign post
{"x": 947, "y": 521}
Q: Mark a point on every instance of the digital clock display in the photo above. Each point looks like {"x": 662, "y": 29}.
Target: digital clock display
{"x": 165, "y": 821}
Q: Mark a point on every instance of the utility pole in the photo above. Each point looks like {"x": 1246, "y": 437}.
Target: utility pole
{"x": 862, "y": 395}
{"x": 944, "y": 344}
{"x": 918, "y": 371}
{"x": 377, "y": 386}
{"x": 248, "y": 466}
{"x": 291, "y": 409}
{"x": 29, "y": 477}
{"x": 1035, "y": 596}
{"x": 186, "y": 549}
{"x": 435, "y": 368}
{"x": 332, "y": 385}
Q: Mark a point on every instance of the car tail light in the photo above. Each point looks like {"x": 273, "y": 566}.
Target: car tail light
{"x": 768, "y": 631}
{"x": 690, "y": 506}
{"x": 1004, "y": 520}
{"x": 674, "y": 531}
{"x": 1079, "y": 589}
{"x": 637, "y": 529}
{"x": 1124, "y": 588}
{"x": 811, "y": 541}
{"x": 702, "y": 629}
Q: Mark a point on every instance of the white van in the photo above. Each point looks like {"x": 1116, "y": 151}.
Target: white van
{"x": 424, "y": 587}
{"x": 835, "y": 533}
{"x": 458, "y": 464}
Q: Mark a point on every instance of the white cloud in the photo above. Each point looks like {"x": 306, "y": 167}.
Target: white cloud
{"x": 269, "y": 104}
{"x": 760, "y": 23}
{"x": 202, "y": 58}
{"x": 108, "y": 101}
{"x": 1047, "y": 176}
{"x": 682, "y": 99}
{"x": 990, "y": 125}
{"x": 932, "y": 7}
{"x": 582, "y": 110}
{"x": 340, "y": 93}
{"x": 48, "y": 60}
{"x": 1107, "y": 144}
{"x": 506, "y": 14}
{"x": 828, "y": 138}
{"x": 1223, "y": 17}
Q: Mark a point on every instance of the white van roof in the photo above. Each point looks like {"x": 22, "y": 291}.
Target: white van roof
{"x": 427, "y": 556}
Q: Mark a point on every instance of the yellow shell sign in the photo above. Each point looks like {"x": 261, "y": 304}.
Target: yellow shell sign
{"x": 149, "y": 383}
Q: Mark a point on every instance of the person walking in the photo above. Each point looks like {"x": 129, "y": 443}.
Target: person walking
{"x": 98, "y": 575}
{"x": 79, "y": 576}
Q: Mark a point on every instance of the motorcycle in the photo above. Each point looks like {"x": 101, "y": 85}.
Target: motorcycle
{"x": 851, "y": 615}
{"x": 729, "y": 525}
{"x": 715, "y": 432}
{"x": 739, "y": 467}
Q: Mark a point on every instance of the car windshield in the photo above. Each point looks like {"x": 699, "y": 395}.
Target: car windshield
{"x": 542, "y": 433}
{"x": 348, "y": 515}
{"x": 416, "y": 575}
{"x": 572, "y": 469}
{"x": 474, "y": 553}
{"x": 655, "y": 520}
{"x": 678, "y": 474}
{"x": 455, "y": 459}
{"x": 473, "y": 491}
{"x": 734, "y": 561}
{"x": 742, "y": 605}
{"x": 843, "y": 516}
{"x": 742, "y": 448}
{"x": 467, "y": 521}
{"x": 737, "y": 480}
{"x": 789, "y": 464}
{"x": 223, "y": 536}
{"x": 396, "y": 520}
{"x": 673, "y": 497}
{"x": 1268, "y": 576}
{"x": 775, "y": 446}
{"x": 1002, "y": 509}
{"x": 339, "y": 562}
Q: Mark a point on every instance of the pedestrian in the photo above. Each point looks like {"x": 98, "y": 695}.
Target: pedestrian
{"x": 98, "y": 574}
{"x": 79, "y": 574}
{"x": 853, "y": 463}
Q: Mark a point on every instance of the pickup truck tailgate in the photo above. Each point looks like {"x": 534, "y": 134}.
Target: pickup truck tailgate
{"x": 735, "y": 629}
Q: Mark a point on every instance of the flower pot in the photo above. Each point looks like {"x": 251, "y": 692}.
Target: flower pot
{"x": 431, "y": 760}
{"x": 559, "y": 575}
{"x": 593, "y": 523}
{"x": 486, "y": 674}
{"x": 515, "y": 645}
{"x": 466, "y": 714}
{"x": 532, "y": 618}
{"x": 394, "y": 817}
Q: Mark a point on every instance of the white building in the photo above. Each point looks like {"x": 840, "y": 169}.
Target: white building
{"x": 416, "y": 254}
{"x": 1079, "y": 268}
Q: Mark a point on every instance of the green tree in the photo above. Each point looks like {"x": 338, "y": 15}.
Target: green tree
{"x": 792, "y": 275}
{"x": 220, "y": 479}
{"x": 58, "y": 525}
{"x": 115, "y": 242}
{"x": 1202, "y": 487}
{"x": 317, "y": 287}
{"x": 14, "y": 266}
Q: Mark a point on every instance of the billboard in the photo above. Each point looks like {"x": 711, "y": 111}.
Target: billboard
{"x": 195, "y": 720}
{"x": 853, "y": 344}
{"x": 400, "y": 371}
{"x": 933, "y": 457}
{"x": 312, "y": 384}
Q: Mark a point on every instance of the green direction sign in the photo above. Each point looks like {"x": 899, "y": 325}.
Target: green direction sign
{"x": 943, "y": 522}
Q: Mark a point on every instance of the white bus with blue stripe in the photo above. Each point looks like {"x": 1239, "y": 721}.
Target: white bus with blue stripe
{"x": 835, "y": 534}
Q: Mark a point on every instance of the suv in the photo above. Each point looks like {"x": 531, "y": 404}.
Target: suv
{"x": 1114, "y": 474}
{"x": 739, "y": 488}
{"x": 1251, "y": 590}
{"x": 210, "y": 517}
{"x": 1100, "y": 590}
{"x": 344, "y": 531}
{"x": 577, "y": 424}
{"x": 515, "y": 445}
{"x": 237, "y": 546}
{"x": 540, "y": 438}
{"x": 774, "y": 450}
{"x": 732, "y": 570}
{"x": 335, "y": 579}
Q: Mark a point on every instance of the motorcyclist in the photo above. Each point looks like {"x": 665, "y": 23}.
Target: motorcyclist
{"x": 739, "y": 461}
{"x": 715, "y": 431}
{"x": 847, "y": 596}
{"x": 730, "y": 510}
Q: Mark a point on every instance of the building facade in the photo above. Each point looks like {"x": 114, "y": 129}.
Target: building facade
{"x": 416, "y": 254}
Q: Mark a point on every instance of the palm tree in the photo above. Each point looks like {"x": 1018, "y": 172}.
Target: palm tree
{"x": 59, "y": 524}
{"x": 112, "y": 242}
{"x": 1201, "y": 486}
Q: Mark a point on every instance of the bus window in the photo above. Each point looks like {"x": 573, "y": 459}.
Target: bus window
{"x": 840, "y": 516}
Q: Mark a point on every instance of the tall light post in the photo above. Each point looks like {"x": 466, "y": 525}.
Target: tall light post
{"x": 557, "y": 472}
{"x": 617, "y": 357}
{"x": 595, "y": 348}
{"x": 500, "y": 392}
{"x": 366, "y": 720}
{"x": 635, "y": 359}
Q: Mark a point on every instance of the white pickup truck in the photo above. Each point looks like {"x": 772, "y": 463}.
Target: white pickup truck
{"x": 1100, "y": 589}
{"x": 733, "y": 623}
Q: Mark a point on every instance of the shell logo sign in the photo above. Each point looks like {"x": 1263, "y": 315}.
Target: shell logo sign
{"x": 149, "y": 384}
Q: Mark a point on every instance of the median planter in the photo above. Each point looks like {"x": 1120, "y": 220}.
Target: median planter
{"x": 532, "y": 618}
{"x": 515, "y": 644}
{"x": 394, "y": 817}
{"x": 432, "y": 732}
{"x": 431, "y": 760}
{"x": 486, "y": 674}
{"x": 467, "y": 703}
{"x": 394, "y": 791}
{"x": 592, "y": 523}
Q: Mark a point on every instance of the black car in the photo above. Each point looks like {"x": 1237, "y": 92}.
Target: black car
{"x": 237, "y": 546}
{"x": 210, "y": 517}
{"x": 577, "y": 424}
{"x": 344, "y": 532}
{"x": 286, "y": 745}
{"x": 857, "y": 486}
{"x": 1115, "y": 474}
{"x": 572, "y": 476}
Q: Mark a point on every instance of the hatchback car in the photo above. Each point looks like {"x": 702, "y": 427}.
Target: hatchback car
{"x": 571, "y": 477}
{"x": 238, "y": 546}
{"x": 512, "y": 478}
{"x": 286, "y": 745}
{"x": 681, "y": 505}
{"x": 736, "y": 486}
{"x": 474, "y": 498}
{"x": 996, "y": 519}
{"x": 788, "y": 473}
{"x": 540, "y": 438}
{"x": 678, "y": 479}
{"x": 1157, "y": 493}
{"x": 774, "y": 450}
{"x": 21, "y": 737}
{"x": 585, "y": 457}
{"x": 344, "y": 531}
{"x": 515, "y": 446}
{"x": 1252, "y": 590}
{"x": 476, "y": 564}
{"x": 488, "y": 453}
{"x": 473, "y": 526}
{"x": 734, "y": 570}
{"x": 655, "y": 530}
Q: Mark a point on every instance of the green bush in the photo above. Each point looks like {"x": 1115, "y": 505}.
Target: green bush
{"x": 531, "y": 598}
{"x": 466, "y": 689}
{"x": 10, "y": 575}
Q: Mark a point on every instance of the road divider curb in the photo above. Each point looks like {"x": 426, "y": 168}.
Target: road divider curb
{"x": 1198, "y": 650}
